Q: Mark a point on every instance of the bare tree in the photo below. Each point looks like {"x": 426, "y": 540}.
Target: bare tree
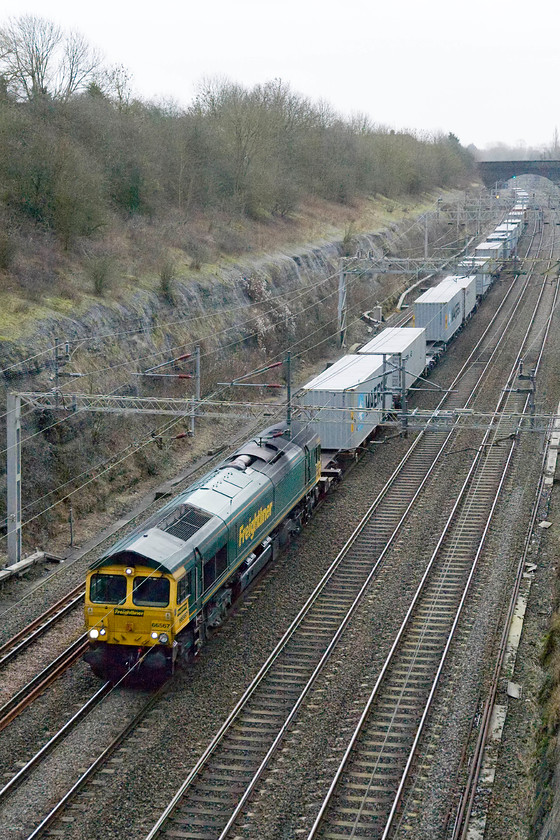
{"x": 116, "y": 81}
{"x": 555, "y": 148}
{"x": 78, "y": 65}
{"x": 37, "y": 58}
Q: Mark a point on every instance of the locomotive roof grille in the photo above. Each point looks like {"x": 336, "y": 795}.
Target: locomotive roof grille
{"x": 184, "y": 522}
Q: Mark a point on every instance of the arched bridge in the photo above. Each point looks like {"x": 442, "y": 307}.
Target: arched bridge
{"x": 502, "y": 170}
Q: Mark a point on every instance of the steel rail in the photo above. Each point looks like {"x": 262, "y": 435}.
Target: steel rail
{"x": 385, "y": 669}
{"x": 476, "y": 764}
{"x": 461, "y": 824}
{"x": 466, "y": 802}
{"x": 47, "y": 748}
{"x": 97, "y": 763}
{"x": 40, "y": 625}
{"x": 25, "y": 696}
{"x": 276, "y": 743}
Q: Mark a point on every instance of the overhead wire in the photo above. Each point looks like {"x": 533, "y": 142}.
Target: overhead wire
{"x": 162, "y": 430}
{"x": 175, "y": 421}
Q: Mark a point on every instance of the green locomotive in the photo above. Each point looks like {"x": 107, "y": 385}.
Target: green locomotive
{"x": 152, "y": 597}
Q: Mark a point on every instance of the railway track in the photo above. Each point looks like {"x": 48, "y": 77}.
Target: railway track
{"x": 26, "y": 695}
{"x": 86, "y": 775}
{"x": 218, "y": 788}
{"x": 365, "y": 797}
{"x": 56, "y": 739}
{"x": 466, "y": 802}
{"x": 41, "y": 625}
{"x": 285, "y": 685}
{"x": 111, "y": 706}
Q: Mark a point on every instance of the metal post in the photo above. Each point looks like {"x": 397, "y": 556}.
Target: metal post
{"x": 384, "y": 387}
{"x": 426, "y": 236}
{"x": 404, "y": 404}
{"x": 289, "y": 394}
{"x": 196, "y": 384}
{"x": 71, "y": 523}
{"x": 342, "y": 305}
{"x": 56, "y": 370}
{"x": 13, "y": 457}
{"x": 479, "y": 215}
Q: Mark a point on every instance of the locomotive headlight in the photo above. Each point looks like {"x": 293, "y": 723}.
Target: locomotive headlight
{"x": 93, "y": 634}
{"x": 163, "y": 638}
{"x": 154, "y": 634}
{"x": 129, "y": 571}
{"x": 102, "y": 632}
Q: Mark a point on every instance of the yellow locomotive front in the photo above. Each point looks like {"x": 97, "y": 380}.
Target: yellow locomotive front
{"x": 131, "y": 620}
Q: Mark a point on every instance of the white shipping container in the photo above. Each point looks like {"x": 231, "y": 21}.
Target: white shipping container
{"x": 504, "y": 240}
{"x": 440, "y": 311}
{"x": 507, "y": 233}
{"x": 515, "y": 219}
{"x": 480, "y": 267}
{"x": 489, "y": 250}
{"x": 403, "y": 345}
{"x": 520, "y": 209}
{"x": 468, "y": 284}
{"x": 344, "y": 403}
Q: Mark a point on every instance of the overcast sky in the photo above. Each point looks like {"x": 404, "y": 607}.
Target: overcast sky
{"x": 487, "y": 71}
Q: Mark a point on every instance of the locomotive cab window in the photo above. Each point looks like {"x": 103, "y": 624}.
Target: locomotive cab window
{"x": 214, "y": 567}
{"x": 150, "y": 592}
{"x": 107, "y": 589}
{"x": 185, "y": 587}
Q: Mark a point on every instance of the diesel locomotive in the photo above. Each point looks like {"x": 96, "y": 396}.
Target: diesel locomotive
{"x": 152, "y": 598}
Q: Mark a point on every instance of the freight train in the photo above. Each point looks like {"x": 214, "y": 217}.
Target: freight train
{"x": 152, "y": 599}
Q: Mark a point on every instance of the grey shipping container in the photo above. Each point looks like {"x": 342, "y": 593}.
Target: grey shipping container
{"x": 440, "y": 311}
{"x": 344, "y": 404}
{"x": 468, "y": 284}
{"x": 481, "y": 268}
{"x": 493, "y": 251}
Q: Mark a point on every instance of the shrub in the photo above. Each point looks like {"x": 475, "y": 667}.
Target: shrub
{"x": 349, "y": 240}
{"x": 167, "y": 275}
{"x": 7, "y": 251}
{"x": 101, "y": 272}
{"x": 197, "y": 251}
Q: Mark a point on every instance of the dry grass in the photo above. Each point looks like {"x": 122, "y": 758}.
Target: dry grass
{"x": 43, "y": 280}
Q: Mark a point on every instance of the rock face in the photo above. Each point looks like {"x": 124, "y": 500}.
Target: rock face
{"x": 242, "y": 317}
